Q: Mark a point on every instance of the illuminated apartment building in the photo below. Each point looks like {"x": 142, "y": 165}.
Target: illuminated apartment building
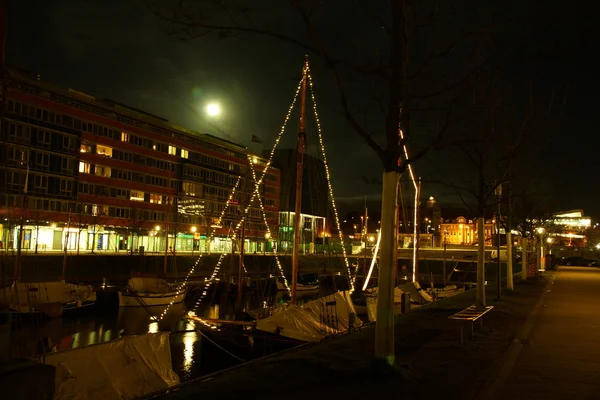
{"x": 105, "y": 176}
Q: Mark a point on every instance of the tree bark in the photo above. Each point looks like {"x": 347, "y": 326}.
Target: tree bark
{"x": 509, "y": 261}
{"x": 384, "y": 328}
{"x": 480, "y": 294}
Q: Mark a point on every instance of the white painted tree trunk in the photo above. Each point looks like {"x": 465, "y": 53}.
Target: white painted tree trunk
{"x": 480, "y": 294}
{"x": 384, "y": 327}
{"x": 509, "y": 262}
{"x": 524, "y": 244}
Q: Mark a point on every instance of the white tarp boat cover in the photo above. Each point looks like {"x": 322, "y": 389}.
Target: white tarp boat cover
{"x": 149, "y": 285}
{"x": 372, "y": 304}
{"x": 372, "y": 292}
{"x": 121, "y": 369}
{"x": 313, "y": 321}
{"x": 417, "y": 295}
{"x": 32, "y": 296}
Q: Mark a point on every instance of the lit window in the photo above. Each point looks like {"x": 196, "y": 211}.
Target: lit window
{"x": 124, "y": 137}
{"x": 136, "y": 195}
{"x": 184, "y": 153}
{"x": 172, "y": 150}
{"x": 84, "y": 167}
{"x": 156, "y": 198}
{"x": 104, "y": 151}
{"x": 102, "y": 171}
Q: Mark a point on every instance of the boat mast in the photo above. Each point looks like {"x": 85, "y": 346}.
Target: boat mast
{"x": 299, "y": 169}
{"x": 17, "y": 271}
{"x": 243, "y": 204}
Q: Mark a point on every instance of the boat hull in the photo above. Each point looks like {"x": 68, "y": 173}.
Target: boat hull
{"x": 299, "y": 287}
{"x": 49, "y": 298}
{"x": 150, "y": 299}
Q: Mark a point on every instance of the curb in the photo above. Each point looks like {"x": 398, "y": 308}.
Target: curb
{"x": 501, "y": 371}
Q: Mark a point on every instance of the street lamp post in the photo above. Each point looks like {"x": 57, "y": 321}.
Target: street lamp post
{"x": 444, "y": 265}
{"x": 498, "y": 191}
{"x": 193, "y": 230}
{"x": 541, "y": 262}
{"x": 267, "y": 236}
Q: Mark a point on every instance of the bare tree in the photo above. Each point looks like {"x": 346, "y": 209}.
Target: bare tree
{"x": 134, "y": 224}
{"x": 96, "y": 220}
{"x": 498, "y": 146}
{"x": 373, "y": 72}
{"x": 37, "y": 221}
{"x": 80, "y": 219}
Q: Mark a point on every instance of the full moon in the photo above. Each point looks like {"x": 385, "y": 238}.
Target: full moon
{"x": 213, "y": 109}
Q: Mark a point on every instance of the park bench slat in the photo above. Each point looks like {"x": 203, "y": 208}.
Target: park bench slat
{"x": 471, "y": 314}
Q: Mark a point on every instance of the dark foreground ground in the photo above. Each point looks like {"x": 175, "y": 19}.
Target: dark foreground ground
{"x": 430, "y": 362}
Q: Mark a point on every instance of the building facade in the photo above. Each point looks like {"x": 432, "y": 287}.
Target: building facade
{"x": 93, "y": 174}
{"x": 463, "y": 231}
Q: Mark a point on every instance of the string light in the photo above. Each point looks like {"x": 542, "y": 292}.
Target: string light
{"x": 415, "y": 222}
{"x": 330, "y": 187}
{"x": 191, "y": 271}
{"x": 264, "y": 215}
{"x": 221, "y": 216}
{"x": 178, "y": 291}
{"x": 267, "y": 165}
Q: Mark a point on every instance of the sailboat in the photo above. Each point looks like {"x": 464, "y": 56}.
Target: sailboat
{"x": 327, "y": 315}
{"x": 49, "y": 298}
{"x": 145, "y": 291}
{"x": 150, "y": 291}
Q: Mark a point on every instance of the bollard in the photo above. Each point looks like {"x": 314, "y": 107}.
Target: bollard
{"x": 405, "y": 303}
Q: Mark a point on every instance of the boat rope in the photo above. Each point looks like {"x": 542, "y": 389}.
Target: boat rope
{"x": 264, "y": 216}
{"x": 219, "y": 347}
{"x": 257, "y": 183}
{"x": 328, "y": 175}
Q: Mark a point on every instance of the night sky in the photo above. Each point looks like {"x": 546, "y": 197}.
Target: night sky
{"x": 120, "y": 50}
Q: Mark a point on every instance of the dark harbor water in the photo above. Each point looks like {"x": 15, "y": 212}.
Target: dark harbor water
{"x": 196, "y": 349}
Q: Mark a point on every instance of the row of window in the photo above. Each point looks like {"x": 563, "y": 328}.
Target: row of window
{"x": 119, "y": 193}
{"x": 41, "y": 138}
{"x": 110, "y": 133}
{"x": 82, "y": 212}
{"x": 38, "y": 184}
{"x": 32, "y": 136}
{"x": 40, "y": 161}
{"x": 64, "y": 120}
{"x": 209, "y": 176}
{"x": 130, "y": 176}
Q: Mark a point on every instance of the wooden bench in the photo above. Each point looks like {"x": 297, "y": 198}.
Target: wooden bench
{"x": 470, "y": 314}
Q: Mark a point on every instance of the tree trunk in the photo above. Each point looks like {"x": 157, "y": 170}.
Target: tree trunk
{"x": 93, "y": 239}
{"x": 384, "y": 328}
{"x": 509, "y": 261}
{"x": 480, "y": 294}
{"x": 78, "y": 241}
{"x": 524, "y": 244}
{"x": 37, "y": 237}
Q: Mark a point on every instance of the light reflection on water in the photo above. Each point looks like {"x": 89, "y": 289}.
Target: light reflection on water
{"x": 189, "y": 338}
{"x": 191, "y": 356}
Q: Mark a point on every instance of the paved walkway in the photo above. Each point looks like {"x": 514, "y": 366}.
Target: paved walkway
{"x": 561, "y": 358}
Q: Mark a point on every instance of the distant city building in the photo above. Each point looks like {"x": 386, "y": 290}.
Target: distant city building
{"x": 462, "y": 230}
{"x": 315, "y": 206}
{"x": 86, "y": 172}
{"x": 568, "y": 228}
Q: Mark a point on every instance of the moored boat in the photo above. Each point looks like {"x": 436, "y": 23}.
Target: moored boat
{"x": 145, "y": 292}
{"x": 49, "y": 298}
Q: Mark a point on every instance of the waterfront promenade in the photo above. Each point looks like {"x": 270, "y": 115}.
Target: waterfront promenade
{"x": 430, "y": 361}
